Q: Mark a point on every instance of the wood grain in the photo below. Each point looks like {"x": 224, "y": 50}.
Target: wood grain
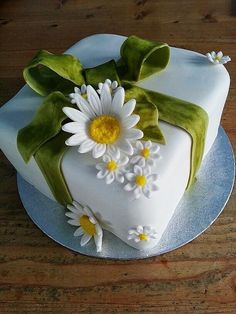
{"x": 39, "y": 276}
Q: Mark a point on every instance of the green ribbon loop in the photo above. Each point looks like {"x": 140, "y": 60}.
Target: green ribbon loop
{"x": 140, "y": 58}
{"x": 47, "y": 73}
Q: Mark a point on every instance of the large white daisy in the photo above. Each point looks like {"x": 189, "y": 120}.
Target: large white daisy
{"x": 88, "y": 226}
{"x": 103, "y": 124}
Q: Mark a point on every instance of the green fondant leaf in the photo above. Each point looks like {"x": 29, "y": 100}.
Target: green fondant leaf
{"x": 48, "y": 72}
{"x": 141, "y": 58}
{"x": 102, "y": 72}
{"x": 44, "y": 126}
{"x": 48, "y": 158}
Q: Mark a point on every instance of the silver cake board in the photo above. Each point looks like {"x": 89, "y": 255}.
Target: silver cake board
{"x": 198, "y": 209}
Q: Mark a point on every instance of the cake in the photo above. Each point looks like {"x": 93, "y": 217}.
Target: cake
{"x": 115, "y": 130}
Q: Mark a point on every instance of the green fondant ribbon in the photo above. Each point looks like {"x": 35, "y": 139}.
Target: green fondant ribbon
{"x": 55, "y": 75}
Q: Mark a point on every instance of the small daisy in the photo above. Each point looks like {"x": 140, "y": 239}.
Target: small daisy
{"x": 112, "y": 85}
{"x": 217, "y": 58}
{"x": 141, "y": 182}
{"x": 145, "y": 154}
{"x": 103, "y": 124}
{"x": 78, "y": 91}
{"x": 142, "y": 233}
{"x": 112, "y": 168}
{"x": 88, "y": 225}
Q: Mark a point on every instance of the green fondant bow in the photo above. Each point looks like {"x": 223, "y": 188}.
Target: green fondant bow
{"x": 55, "y": 76}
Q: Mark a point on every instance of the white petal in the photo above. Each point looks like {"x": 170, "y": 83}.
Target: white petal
{"x": 147, "y": 229}
{"x": 74, "y": 209}
{"x": 129, "y": 187}
{"x": 113, "y": 151}
{"x": 213, "y": 54}
{"x": 78, "y": 206}
{"x": 219, "y": 54}
{"x": 114, "y": 84}
{"x": 108, "y": 81}
{"x": 78, "y": 232}
{"x": 147, "y": 193}
{"x": 155, "y": 148}
{"x": 75, "y": 115}
{"x": 131, "y": 237}
{"x": 137, "y": 240}
{"x": 110, "y": 178}
{"x": 99, "y": 150}
{"x": 100, "y": 166}
{"x": 72, "y": 215}
{"x": 94, "y": 100}
{"x": 140, "y": 229}
{"x": 98, "y": 242}
{"x": 118, "y": 100}
{"x": 139, "y": 145}
{"x": 128, "y": 108}
{"x": 137, "y": 192}
{"x": 83, "y": 89}
{"x": 92, "y": 220}
{"x": 154, "y": 187}
{"x": 130, "y": 121}
{"x": 133, "y": 231}
{"x": 138, "y": 170}
{"x": 85, "y": 239}
{"x": 126, "y": 147}
{"x": 85, "y": 107}
{"x": 123, "y": 161}
{"x": 133, "y": 134}
{"x": 135, "y": 159}
{"x": 142, "y": 162}
{"x": 86, "y": 146}
{"x": 106, "y": 158}
{"x": 73, "y": 127}
{"x": 73, "y": 222}
{"x": 130, "y": 176}
{"x": 101, "y": 174}
{"x": 119, "y": 176}
{"x": 75, "y": 140}
{"x": 146, "y": 171}
{"x": 152, "y": 177}
{"x": 106, "y": 99}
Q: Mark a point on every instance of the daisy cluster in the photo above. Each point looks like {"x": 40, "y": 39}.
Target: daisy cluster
{"x": 88, "y": 227}
{"x": 105, "y": 125}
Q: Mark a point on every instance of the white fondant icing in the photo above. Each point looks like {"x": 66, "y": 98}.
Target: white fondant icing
{"x": 188, "y": 76}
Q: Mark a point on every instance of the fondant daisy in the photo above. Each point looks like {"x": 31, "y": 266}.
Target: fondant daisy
{"x": 142, "y": 233}
{"x": 217, "y": 58}
{"x": 103, "y": 124}
{"x": 77, "y": 91}
{"x": 88, "y": 226}
{"x": 113, "y": 85}
{"x": 111, "y": 168}
{"x": 141, "y": 182}
{"x": 145, "y": 154}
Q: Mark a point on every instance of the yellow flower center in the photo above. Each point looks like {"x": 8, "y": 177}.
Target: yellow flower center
{"x": 143, "y": 237}
{"x": 111, "y": 165}
{"x": 217, "y": 58}
{"x": 105, "y": 129}
{"x": 140, "y": 180}
{"x": 87, "y": 225}
{"x": 145, "y": 152}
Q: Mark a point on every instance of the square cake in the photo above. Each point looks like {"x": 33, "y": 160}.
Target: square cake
{"x": 115, "y": 133}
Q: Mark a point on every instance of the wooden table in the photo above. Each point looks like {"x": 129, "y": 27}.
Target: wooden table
{"x": 39, "y": 276}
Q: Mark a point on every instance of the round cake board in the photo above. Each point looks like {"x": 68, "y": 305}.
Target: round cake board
{"x": 198, "y": 209}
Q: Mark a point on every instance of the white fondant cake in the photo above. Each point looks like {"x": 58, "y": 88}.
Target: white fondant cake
{"x": 188, "y": 76}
